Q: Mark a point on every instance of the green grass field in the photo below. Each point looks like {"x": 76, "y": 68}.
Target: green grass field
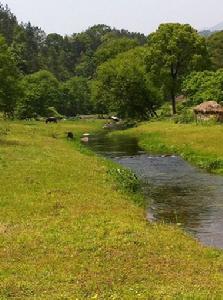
{"x": 67, "y": 232}
{"x": 201, "y": 145}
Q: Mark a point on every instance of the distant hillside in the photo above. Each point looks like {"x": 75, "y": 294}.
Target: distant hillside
{"x": 209, "y": 31}
{"x": 217, "y": 27}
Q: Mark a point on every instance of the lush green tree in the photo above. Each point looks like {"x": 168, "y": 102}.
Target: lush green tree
{"x": 41, "y": 91}
{"x": 86, "y": 66}
{"x": 75, "y": 97}
{"x": 27, "y": 45}
{"x": 175, "y": 51}
{"x": 204, "y": 86}
{"x": 58, "y": 56}
{"x": 9, "y": 80}
{"x": 88, "y": 43}
{"x": 215, "y": 48}
{"x": 123, "y": 86}
{"x": 112, "y": 47}
{"x": 8, "y": 23}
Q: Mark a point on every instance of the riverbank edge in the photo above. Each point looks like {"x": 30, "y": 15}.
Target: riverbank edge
{"x": 123, "y": 178}
{"x": 156, "y": 143}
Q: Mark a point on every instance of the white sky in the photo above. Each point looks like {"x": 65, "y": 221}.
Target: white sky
{"x": 69, "y": 16}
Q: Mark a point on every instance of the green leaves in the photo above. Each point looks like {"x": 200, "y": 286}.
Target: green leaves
{"x": 175, "y": 51}
{"x": 204, "y": 86}
{"x": 112, "y": 47}
{"x": 9, "y": 80}
{"x": 40, "y": 91}
{"x": 75, "y": 97}
{"x": 124, "y": 86}
{"x": 215, "y": 45}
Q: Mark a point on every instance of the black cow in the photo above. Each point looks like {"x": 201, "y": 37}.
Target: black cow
{"x": 51, "y": 120}
{"x": 70, "y": 135}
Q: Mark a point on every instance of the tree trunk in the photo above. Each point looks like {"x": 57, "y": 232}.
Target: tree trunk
{"x": 174, "y": 73}
{"x": 173, "y": 98}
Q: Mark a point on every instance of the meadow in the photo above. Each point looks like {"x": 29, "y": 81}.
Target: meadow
{"x": 68, "y": 232}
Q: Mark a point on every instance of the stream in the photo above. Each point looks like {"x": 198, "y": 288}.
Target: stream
{"x": 176, "y": 191}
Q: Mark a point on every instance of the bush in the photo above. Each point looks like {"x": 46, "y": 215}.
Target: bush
{"x": 204, "y": 86}
{"x": 165, "y": 111}
{"x": 186, "y": 116}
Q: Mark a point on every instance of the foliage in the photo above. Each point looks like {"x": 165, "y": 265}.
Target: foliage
{"x": 27, "y": 45}
{"x": 40, "y": 91}
{"x": 9, "y": 80}
{"x": 175, "y": 51}
{"x": 8, "y": 23}
{"x": 56, "y": 56}
{"x": 165, "y": 111}
{"x": 112, "y": 47}
{"x": 215, "y": 46}
{"x": 204, "y": 86}
{"x": 185, "y": 116}
{"x": 122, "y": 85}
{"x": 75, "y": 97}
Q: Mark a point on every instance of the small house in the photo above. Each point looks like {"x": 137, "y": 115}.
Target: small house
{"x": 209, "y": 110}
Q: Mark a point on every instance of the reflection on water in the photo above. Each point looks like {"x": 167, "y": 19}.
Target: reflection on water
{"x": 180, "y": 193}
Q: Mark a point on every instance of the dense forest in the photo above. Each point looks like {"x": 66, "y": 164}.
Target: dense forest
{"x": 104, "y": 70}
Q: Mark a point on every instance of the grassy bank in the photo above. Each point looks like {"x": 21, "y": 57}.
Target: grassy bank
{"x": 199, "y": 144}
{"x": 66, "y": 232}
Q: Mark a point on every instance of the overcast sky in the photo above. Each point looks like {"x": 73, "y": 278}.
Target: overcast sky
{"x": 69, "y": 16}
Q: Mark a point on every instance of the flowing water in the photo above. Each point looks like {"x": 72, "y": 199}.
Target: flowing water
{"x": 180, "y": 193}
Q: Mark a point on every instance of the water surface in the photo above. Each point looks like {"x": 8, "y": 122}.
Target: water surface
{"x": 180, "y": 193}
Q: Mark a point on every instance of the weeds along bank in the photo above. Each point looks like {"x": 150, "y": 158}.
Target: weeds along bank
{"x": 67, "y": 232}
{"x": 199, "y": 144}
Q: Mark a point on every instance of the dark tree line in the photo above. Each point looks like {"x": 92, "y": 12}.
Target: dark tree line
{"x": 64, "y": 56}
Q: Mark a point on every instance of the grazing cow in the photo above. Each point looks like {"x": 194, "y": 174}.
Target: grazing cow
{"x": 51, "y": 120}
{"x": 70, "y": 135}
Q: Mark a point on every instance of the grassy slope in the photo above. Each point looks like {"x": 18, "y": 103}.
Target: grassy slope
{"x": 199, "y": 144}
{"x": 67, "y": 233}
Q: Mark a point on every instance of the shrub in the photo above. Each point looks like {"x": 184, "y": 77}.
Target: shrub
{"x": 165, "y": 111}
{"x": 186, "y": 116}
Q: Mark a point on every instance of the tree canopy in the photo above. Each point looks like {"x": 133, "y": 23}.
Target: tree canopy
{"x": 204, "y": 86}
{"x": 40, "y": 91}
{"x": 215, "y": 48}
{"x": 175, "y": 51}
{"x": 75, "y": 98}
{"x": 123, "y": 86}
{"x": 9, "y": 79}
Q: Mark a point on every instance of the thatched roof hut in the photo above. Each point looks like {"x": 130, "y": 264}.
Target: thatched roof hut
{"x": 209, "y": 110}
